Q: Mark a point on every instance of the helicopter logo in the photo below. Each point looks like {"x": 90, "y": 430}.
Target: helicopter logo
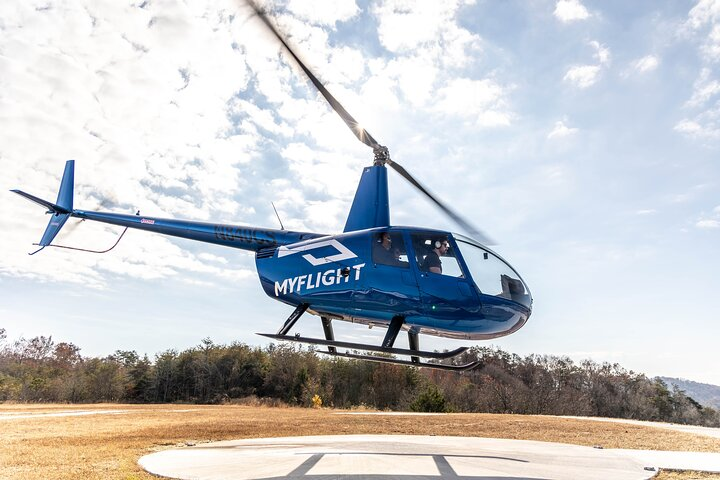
{"x": 310, "y": 281}
{"x": 344, "y": 252}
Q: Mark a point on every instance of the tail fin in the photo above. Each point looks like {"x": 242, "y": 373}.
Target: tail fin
{"x": 61, "y": 210}
{"x": 67, "y": 185}
{"x": 370, "y": 208}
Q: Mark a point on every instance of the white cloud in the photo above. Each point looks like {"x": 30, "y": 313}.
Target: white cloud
{"x": 711, "y": 47}
{"x": 688, "y": 127}
{"x": 708, "y": 224}
{"x": 704, "y": 89}
{"x": 711, "y": 221}
{"x": 382, "y": 90}
{"x": 264, "y": 118}
{"x": 645, "y": 64}
{"x": 691, "y": 194}
{"x": 493, "y": 118}
{"x": 648, "y": 211}
{"x": 212, "y": 258}
{"x": 570, "y": 10}
{"x": 404, "y": 26}
{"x": 583, "y": 76}
{"x": 602, "y": 53}
{"x": 704, "y": 124}
{"x": 324, "y": 12}
{"x": 310, "y": 42}
{"x": 466, "y": 96}
{"x": 706, "y": 11}
{"x": 416, "y": 77}
{"x": 426, "y": 28}
{"x": 347, "y": 65}
{"x": 132, "y": 94}
{"x": 555, "y": 174}
{"x": 479, "y": 99}
{"x": 320, "y": 171}
{"x": 561, "y": 130}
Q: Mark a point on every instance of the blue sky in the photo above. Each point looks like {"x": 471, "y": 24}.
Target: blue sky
{"x": 582, "y": 136}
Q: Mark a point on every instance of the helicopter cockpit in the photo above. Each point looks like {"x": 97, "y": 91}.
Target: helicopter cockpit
{"x": 492, "y": 275}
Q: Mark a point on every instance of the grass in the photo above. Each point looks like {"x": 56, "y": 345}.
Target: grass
{"x": 107, "y": 445}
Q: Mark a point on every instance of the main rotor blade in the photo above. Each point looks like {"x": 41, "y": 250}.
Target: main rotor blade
{"x": 381, "y": 152}
{"x": 359, "y": 132}
{"x": 474, "y": 232}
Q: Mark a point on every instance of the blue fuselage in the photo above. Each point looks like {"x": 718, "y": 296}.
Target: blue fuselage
{"x": 340, "y": 276}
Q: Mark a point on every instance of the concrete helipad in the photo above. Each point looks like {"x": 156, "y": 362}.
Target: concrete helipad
{"x": 403, "y": 456}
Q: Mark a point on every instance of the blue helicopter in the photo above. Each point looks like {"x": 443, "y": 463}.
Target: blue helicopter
{"x": 420, "y": 280}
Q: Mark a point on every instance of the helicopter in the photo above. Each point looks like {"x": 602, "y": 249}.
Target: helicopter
{"x": 402, "y": 278}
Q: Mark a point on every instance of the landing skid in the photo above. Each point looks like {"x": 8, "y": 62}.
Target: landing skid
{"x": 412, "y": 363}
{"x": 364, "y": 346}
{"x": 386, "y": 347}
{"x": 415, "y": 362}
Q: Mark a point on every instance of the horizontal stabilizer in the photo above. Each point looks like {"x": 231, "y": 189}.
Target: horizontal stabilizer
{"x": 50, "y": 206}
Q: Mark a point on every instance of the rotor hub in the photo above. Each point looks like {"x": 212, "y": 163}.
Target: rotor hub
{"x": 382, "y": 155}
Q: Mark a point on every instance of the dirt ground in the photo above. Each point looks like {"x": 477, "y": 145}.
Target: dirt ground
{"x": 44, "y": 442}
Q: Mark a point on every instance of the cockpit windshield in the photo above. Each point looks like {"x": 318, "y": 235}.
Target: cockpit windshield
{"x": 492, "y": 274}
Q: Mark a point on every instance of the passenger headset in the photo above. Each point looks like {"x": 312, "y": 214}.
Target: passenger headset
{"x": 438, "y": 243}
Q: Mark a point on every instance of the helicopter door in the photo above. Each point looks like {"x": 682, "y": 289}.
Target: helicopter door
{"x": 388, "y": 286}
{"x": 445, "y": 291}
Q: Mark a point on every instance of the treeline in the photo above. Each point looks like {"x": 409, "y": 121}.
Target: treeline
{"x": 40, "y": 370}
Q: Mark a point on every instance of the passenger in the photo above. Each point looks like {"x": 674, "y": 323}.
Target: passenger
{"x": 432, "y": 262}
{"x": 383, "y": 251}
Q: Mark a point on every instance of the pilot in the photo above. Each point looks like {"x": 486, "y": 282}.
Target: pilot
{"x": 432, "y": 261}
{"x": 384, "y": 252}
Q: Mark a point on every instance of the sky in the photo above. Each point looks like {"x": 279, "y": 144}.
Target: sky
{"x": 582, "y": 136}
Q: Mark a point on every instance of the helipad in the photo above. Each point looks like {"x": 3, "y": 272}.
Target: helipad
{"x": 404, "y": 456}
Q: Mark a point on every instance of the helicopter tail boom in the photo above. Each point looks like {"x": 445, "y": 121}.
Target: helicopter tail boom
{"x": 235, "y": 236}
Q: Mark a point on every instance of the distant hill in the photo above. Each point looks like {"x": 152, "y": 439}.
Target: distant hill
{"x": 703, "y": 393}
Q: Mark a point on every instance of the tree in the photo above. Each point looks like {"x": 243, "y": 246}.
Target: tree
{"x": 663, "y": 401}
{"x": 65, "y": 356}
{"x": 140, "y": 381}
{"x": 105, "y": 379}
{"x": 36, "y": 350}
{"x": 431, "y": 399}
{"x": 391, "y": 385}
{"x": 164, "y": 383}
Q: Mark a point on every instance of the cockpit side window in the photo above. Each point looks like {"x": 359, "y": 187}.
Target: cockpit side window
{"x": 389, "y": 249}
{"x": 435, "y": 255}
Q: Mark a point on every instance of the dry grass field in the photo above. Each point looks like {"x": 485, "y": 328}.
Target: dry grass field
{"x": 107, "y": 443}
